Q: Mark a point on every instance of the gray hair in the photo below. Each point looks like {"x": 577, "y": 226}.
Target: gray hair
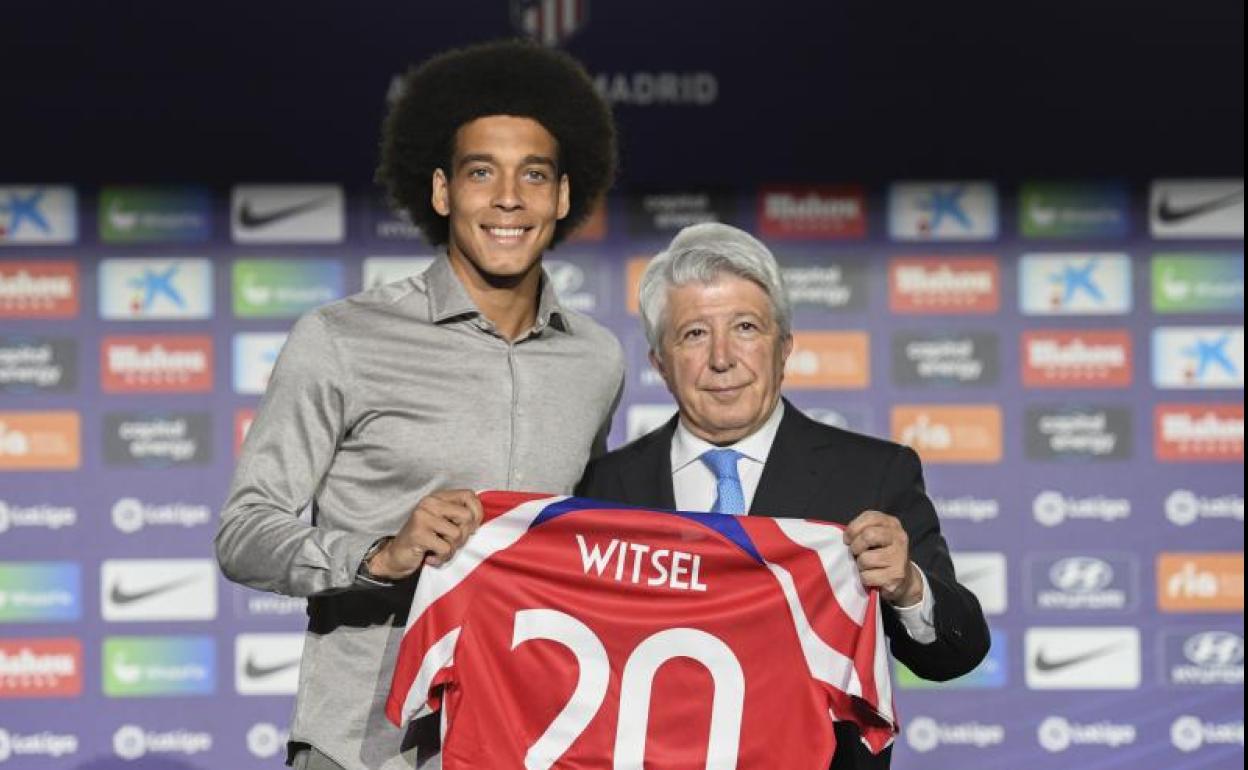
{"x": 702, "y": 253}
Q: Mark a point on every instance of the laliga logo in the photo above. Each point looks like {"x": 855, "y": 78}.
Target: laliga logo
{"x": 1189, "y": 734}
{"x": 1049, "y": 508}
{"x": 1214, "y": 648}
{"x": 4, "y": 517}
{"x": 264, "y": 740}
{"x": 6, "y": 746}
{"x": 128, "y": 515}
{"x": 1081, "y": 574}
{"x": 129, "y": 742}
{"x": 1182, "y": 507}
{"x": 923, "y": 735}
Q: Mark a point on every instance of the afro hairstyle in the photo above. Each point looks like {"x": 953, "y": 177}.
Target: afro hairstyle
{"x": 505, "y": 77}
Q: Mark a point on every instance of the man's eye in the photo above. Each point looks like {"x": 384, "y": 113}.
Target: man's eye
{"x": 747, "y": 326}
{"x": 478, "y": 173}
{"x": 535, "y": 175}
{"x": 693, "y": 334}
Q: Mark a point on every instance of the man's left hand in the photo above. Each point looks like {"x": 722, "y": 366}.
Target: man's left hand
{"x": 881, "y": 549}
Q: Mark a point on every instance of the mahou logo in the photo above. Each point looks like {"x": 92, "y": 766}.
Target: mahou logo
{"x": 937, "y": 285}
{"x": 38, "y": 289}
{"x": 1199, "y": 432}
{"x": 792, "y": 211}
{"x": 40, "y": 668}
{"x": 156, "y": 364}
{"x": 1076, "y": 359}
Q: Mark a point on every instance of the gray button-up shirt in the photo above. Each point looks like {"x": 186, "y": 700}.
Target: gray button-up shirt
{"x": 376, "y": 401}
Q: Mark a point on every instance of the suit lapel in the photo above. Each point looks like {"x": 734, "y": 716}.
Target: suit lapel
{"x": 648, "y": 478}
{"x": 799, "y": 466}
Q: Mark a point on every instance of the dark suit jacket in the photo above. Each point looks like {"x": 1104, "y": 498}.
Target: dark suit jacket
{"x": 819, "y": 472}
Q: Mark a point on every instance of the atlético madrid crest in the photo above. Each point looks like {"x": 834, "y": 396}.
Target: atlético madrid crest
{"x": 550, "y": 22}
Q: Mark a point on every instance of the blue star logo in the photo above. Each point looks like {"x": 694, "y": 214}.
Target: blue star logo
{"x": 153, "y": 284}
{"x": 1073, "y": 279}
{"x": 945, "y": 202}
{"x": 24, "y": 208}
{"x": 1210, "y": 352}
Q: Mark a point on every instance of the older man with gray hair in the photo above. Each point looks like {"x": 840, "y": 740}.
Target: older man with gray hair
{"x": 719, "y": 324}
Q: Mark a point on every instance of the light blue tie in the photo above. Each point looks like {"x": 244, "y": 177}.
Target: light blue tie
{"x": 723, "y": 463}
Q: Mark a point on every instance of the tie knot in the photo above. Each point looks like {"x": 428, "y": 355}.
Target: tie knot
{"x": 722, "y": 462}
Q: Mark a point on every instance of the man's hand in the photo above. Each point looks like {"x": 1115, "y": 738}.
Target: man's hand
{"x": 881, "y": 549}
{"x": 436, "y": 529}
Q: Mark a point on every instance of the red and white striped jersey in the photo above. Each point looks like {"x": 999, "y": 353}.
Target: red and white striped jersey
{"x": 571, "y": 633}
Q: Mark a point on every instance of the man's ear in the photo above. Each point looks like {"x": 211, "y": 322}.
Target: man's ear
{"x": 565, "y": 199}
{"x": 657, "y": 362}
{"x": 440, "y": 198}
{"x": 786, "y": 348}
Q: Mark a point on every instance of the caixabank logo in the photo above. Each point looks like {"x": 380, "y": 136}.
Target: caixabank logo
{"x": 148, "y": 590}
{"x": 267, "y": 288}
{"x": 1088, "y": 358}
{"x": 812, "y": 211}
{"x": 1198, "y": 282}
{"x": 1199, "y": 432}
{"x": 38, "y": 215}
{"x": 942, "y": 211}
{"x": 157, "y": 439}
{"x": 1203, "y": 658}
{"x": 40, "y": 668}
{"x": 40, "y": 592}
{"x": 41, "y": 290}
{"x": 147, "y": 666}
{"x": 939, "y": 285}
{"x": 38, "y": 364}
{"x": 40, "y": 441}
{"x": 1198, "y": 357}
{"x": 158, "y": 363}
{"x": 1075, "y": 284}
{"x": 174, "y": 289}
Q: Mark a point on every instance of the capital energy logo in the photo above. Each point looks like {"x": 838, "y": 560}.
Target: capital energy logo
{"x": 157, "y": 440}
{"x": 1184, "y": 507}
{"x": 1075, "y": 284}
{"x": 643, "y": 418}
{"x": 33, "y": 215}
{"x": 834, "y": 360}
{"x": 40, "y": 591}
{"x": 38, "y": 289}
{"x": 146, "y": 666}
{"x": 379, "y": 271}
{"x": 826, "y": 284}
{"x": 1196, "y": 208}
{"x": 131, "y": 515}
{"x": 950, "y": 433}
{"x": 812, "y": 211}
{"x": 1082, "y": 658}
{"x": 42, "y": 744}
{"x": 287, "y": 214}
{"x": 577, "y": 282}
{"x": 983, "y": 573}
{"x": 267, "y": 664}
{"x": 255, "y": 355}
{"x": 991, "y": 673}
{"x": 163, "y": 363}
{"x": 40, "y": 668}
{"x": 967, "y": 508}
{"x": 39, "y": 441}
{"x": 158, "y": 589}
{"x": 1061, "y": 210}
{"x": 38, "y": 365}
{"x": 155, "y": 215}
{"x": 1107, "y": 582}
{"x": 268, "y": 288}
{"x": 1057, "y": 734}
{"x": 155, "y": 289}
{"x": 1199, "y": 432}
{"x": 663, "y": 213}
{"x": 1212, "y": 658}
{"x": 1070, "y": 432}
{"x": 132, "y": 742}
{"x": 1198, "y": 357}
{"x": 1198, "y": 282}
{"x": 936, "y": 285}
{"x": 1200, "y": 582}
{"x": 265, "y": 740}
{"x": 52, "y": 517}
{"x": 1052, "y": 509}
{"x": 942, "y": 211}
{"x": 924, "y": 734}
{"x": 1088, "y": 358}
{"x": 945, "y": 359}
{"x": 1190, "y": 733}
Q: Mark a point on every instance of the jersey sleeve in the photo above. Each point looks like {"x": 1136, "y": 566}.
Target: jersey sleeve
{"x": 837, "y": 621}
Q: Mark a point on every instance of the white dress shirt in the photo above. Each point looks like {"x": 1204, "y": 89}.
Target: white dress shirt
{"x": 694, "y": 486}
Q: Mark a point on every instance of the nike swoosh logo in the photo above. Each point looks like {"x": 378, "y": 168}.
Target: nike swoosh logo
{"x": 121, "y": 596}
{"x": 254, "y": 670}
{"x": 971, "y": 576}
{"x": 1048, "y": 665}
{"x": 249, "y": 218}
{"x": 1170, "y": 214}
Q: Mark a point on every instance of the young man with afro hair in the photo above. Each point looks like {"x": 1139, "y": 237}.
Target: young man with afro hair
{"x": 386, "y": 408}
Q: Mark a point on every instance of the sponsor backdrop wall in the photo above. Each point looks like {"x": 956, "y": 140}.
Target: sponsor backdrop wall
{"x": 1067, "y": 358}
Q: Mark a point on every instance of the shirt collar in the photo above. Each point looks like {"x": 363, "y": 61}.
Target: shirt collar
{"x": 687, "y": 448}
{"x": 449, "y": 299}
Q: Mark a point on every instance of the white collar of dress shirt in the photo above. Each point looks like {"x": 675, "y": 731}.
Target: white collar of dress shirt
{"x": 687, "y": 447}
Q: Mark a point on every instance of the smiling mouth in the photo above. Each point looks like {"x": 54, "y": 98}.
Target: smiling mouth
{"x": 505, "y": 233}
